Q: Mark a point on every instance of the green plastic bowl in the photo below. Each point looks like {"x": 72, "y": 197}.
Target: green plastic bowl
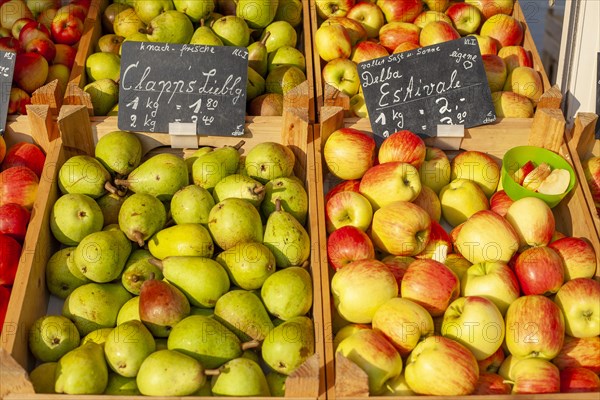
{"x": 516, "y": 157}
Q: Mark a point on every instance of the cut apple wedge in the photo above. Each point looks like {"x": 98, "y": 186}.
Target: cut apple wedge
{"x": 534, "y": 179}
{"x": 521, "y": 173}
{"x": 555, "y": 183}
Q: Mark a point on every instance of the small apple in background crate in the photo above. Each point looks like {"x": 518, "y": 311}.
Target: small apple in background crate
{"x": 346, "y": 32}
{"x": 277, "y": 34}
{"x": 454, "y": 324}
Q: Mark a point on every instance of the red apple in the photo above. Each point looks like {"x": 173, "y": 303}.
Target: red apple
{"x": 348, "y": 244}
{"x": 351, "y": 185}
{"x": 2, "y": 148}
{"x": 578, "y": 380}
{"x": 400, "y": 10}
{"x": 437, "y": 32}
{"x": 397, "y": 265}
{"x": 535, "y": 376}
{"x": 515, "y": 56}
{"x": 406, "y": 46}
{"x": 366, "y": 50}
{"x": 4, "y": 298}
{"x": 492, "y": 280}
{"x": 390, "y": 182}
{"x": 328, "y": 8}
{"x": 13, "y": 221}
{"x": 557, "y": 235}
{"x": 332, "y": 42}
{"x": 490, "y": 8}
{"x": 392, "y": 34}
{"x": 579, "y": 352}
{"x": 478, "y": 167}
{"x": 578, "y": 300}
{"x": 77, "y": 10}
{"x": 491, "y": 383}
{"x": 487, "y": 45}
{"x": 12, "y": 10}
{"x": 26, "y": 155}
{"x": 430, "y": 202}
{"x": 11, "y": 252}
{"x": 46, "y": 17}
{"x": 354, "y": 28}
{"x": 465, "y": 17}
{"x": 403, "y": 146}
{"x": 66, "y": 28}
{"x": 578, "y": 255}
{"x": 348, "y": 208}
{"x": 429, "y": 16}
{"x": 591, "y": 170}
{"x": 504, "y": 28}
{"x": 18, "y": 185}
{"x": 10, "y": 44}
{"x": 370, "y": 17}
{"x": 18, "y": 26}
{"x": 511, "y": 105}
{"x": 458, "y": 264}
{"x": 500, "y": 202}
{"x": 540, "y": 271}
{"x": 349, "y": 153}
{"x": 65, "y": 55}
{"x": 31, "y": 70}
{"x": 45, "y": 47}
{"x": 18, "y": 100}
{"x": 33, "y": 30}
{"x": 535, "y": 327}
{"x": 495, "y": 71}
{"x": 526, "y": 82}
{"x": 84, "y": 4}
{"x": 430, "y": 284}
{"x": 492, "y": 363}
{"x": 435, "y": 169}
{"x": 533, "y": 221}
{"x": 439, "y": 244}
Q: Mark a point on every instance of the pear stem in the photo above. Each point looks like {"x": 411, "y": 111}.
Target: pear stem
{"x": 258, "y": 189}
{"x": 212, "y": 372}
{"x": 169, "y": 223}
{"x": 156, "y": 262}
{"x": 277, "y": 204}
{"x": 239, "y": 145}
{"x": 122, "y": 182}
{"x": 250, "y": 345}
{"x": 264, "y": 40}
{"x": 111, "y": 188}
{"x": 202, "y": 22}
{"x": 305, "y": 264}
{"x": 139, "y": 238}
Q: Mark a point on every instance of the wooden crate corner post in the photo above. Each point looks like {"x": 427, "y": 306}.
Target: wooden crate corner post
{"x": 75, "y": 129}
{"x": 50, "y": 94}
{"x": 548, "y": 129}
{"x": 42, "y": 125}
{"x": 13, "y": 377}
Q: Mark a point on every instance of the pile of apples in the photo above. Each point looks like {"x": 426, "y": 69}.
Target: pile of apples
{"x": 352, "y": 31}
{"x": 267, "y": 28}
{"x": 502, "y": 303}
{"x": 21, "y": 169}
{"x": 44, "y": 35}
{"x": 179, "y": 276}
{"x": 591, "y": 169}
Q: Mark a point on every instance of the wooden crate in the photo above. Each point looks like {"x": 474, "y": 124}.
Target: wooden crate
{"x": 327, "y": 95}
{"x": 93, "y": 31}
{"x": 79, "y": 135}
{"x": 572, "y": 218}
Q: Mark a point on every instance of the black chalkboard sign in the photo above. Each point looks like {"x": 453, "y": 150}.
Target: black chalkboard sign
{"x": 429, "y": 86}
{"x": 162, "y": 83}
{"x": 7, "y": 68}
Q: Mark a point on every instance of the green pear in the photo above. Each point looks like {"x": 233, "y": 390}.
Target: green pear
{"x": 161, "y": 176}
{"x": 288, "y": 293}
{"x": 135, "y": 37}
{"x": 270, "y": 160}
{"x": 104, "y": 94}
{"x": 109, "y": 43}
{"x": 233, "y": 221}
{"x": 286, "y": 56}
{"x": 181, "y": 240}
{"x": 127, "y": 346}
{"x": 251, "y": 354}
{"x": 286, "y": 238}
{"x": 206, "y": 312}
{"x": 110, "y": 204}
{"x": 147, "y": 10}
{"x": 73, "y": 217}
{"x": 206, "y": 340}
{"x": 141, "y": 216}
{"x": 170, "y": 27}
{"x": 130, "y": 311}
{"x": 210, "y": 168}
{"x": 82, "y": 371}
{"x": 257, "y": 13}
{"x": 226, "y": 7}
{"x": 244, "y": 314}
{"x": 283, "y": 79}
{"x": 103, "y": 66}
{"x": 276, "y": 382}
{"x": 240, "y": 377}
{"x": 291, "y": 194}
{"x": 109, "y": 14}
{"x": 161, "y": 343}
{"x": 101, "y": 256}
{"x": 119, "y": 151}
{"x": 51, "y": 337}
{"x": 289, "y": 345}
{"x": 42, "y": 378}
{"x": 289, "y": 11}
{"x": 121, "y": 386}
{"x": 248, "y": 264}
{"x": 201, "y": 279}
{"x": 94, "y": 306}
{"x": 98, "y": 336}
{"x": 232, "y": 30}
{"x": 204, "y": 390}
{"x": 137, "y": 270}
{"x": 127, "y": 23}
{"x": 191, "y": 205}
{"x": 204, "y": 35}
{"x": 240, "y": 187}
{"x": 213, "y": 17}
{"x": 59, "y": 279}
{"x": 114, "y": 112}
{"x": 255, "y": 85}
{"x": 258, "y": 56}
{"x": 196, "y": 10}
{"x": 268, "y": 104}
{"x": 281, "y": 33}
{"x": 170, "y": 373}
{"x": 83, "y": 175}
{"x": 189, "y": 160}
{"x": 162, "y": 306}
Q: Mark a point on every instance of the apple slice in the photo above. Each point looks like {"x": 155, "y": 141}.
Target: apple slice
{"x": 555, "y": 183}
{"x": 522, "y": 172}
{"x": 534, "y": 179}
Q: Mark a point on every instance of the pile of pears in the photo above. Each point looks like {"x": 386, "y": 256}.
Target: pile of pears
{"x": 268, "y": 28}
{"x": 180, "y": 276}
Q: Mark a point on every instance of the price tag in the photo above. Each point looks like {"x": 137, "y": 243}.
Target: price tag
{"x": 443, "y": 84}
{"x": 7, "y": 68}
{"x": 162, "y": 83}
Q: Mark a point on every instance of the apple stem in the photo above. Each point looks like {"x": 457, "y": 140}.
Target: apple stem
{"x": 264, "y": 40}
{"x": 212, "y": 372}
{"x": 277, "y": 204}
{"x": 258, "y": 189}
{"x": 250, "y": 345}
{"x": 239, "y": 145}
{"x": 156, "y": 262}
{"x": 139, "y": 238}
